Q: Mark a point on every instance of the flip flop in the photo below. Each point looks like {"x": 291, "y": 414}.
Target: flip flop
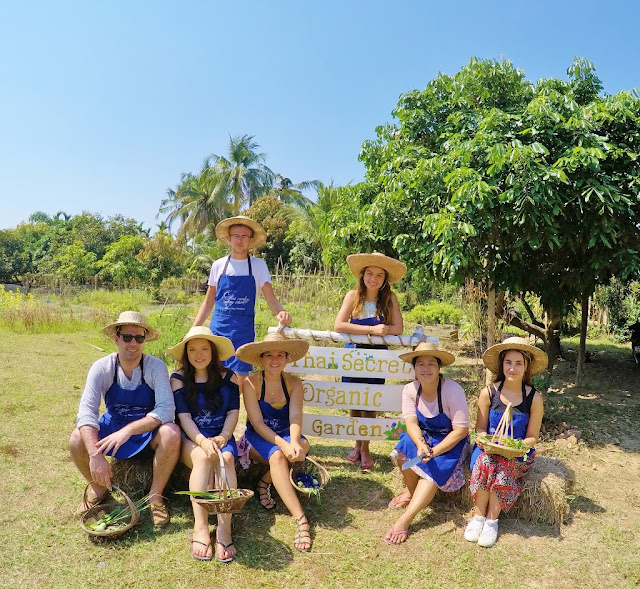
{"x": 226, "y": 547}
{"x": 366, "y": 464}
{"x": 354, "y": 456}
{"x": 400, "y": 501}
{"x": 396, "y": 533}
{"x": 193, "y": 554}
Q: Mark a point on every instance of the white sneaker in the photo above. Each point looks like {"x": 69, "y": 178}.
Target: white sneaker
{"x": 489, "y": 533}
{"x": 474, "y": 528}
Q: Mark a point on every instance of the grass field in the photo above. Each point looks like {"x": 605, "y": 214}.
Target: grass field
{"x": 42, "y": 544}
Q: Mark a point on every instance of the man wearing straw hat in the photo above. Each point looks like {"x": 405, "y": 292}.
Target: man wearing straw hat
{"x": 234, "y": 283}
{"x": 139, "y": 413}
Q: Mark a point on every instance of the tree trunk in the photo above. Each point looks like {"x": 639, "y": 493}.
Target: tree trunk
{"x": 491, "y": 327}
{"x": 582, "y": 352}
{"x": 552, "y": 338}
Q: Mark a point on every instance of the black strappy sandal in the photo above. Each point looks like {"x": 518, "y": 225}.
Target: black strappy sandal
{"x": 303, "y": 534}
{"x": 264, "y": 494}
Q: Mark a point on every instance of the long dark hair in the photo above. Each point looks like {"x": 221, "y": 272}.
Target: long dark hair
{"x": 383, "y": 304}
{"x": 212, "y": 386}
{"x": 526, "y": 377}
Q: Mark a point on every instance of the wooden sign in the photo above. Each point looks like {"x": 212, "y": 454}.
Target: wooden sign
{"x": 346, "y": 428}
{"x": 346, "y": 395}
{"x": 354, "y": 362}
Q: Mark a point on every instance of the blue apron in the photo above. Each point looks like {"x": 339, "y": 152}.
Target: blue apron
{"x": 234, "y": 312}
{"x": 367, "y": 321}
{"x": 434, "y": 429}
{"x": 126, "y": 406}
{"x": 276, "y": 419}
{"x": 520, "y": 419}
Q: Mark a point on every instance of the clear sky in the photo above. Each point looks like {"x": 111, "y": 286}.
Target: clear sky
{"x": 105, "y": 102}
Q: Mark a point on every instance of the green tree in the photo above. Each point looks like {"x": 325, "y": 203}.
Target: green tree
{"x": 15, "y": 259}
{"x": 120, "y": 265}
{"x": 74, "y": 263}
{"x": 292, "y": 194}
{"x": 269, "y": 212}
{"x": 530, "y": 188}
{"x": 162, "y": 257}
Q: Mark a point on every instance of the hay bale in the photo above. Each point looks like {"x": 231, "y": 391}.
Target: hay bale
{"x": 134, "y": 476}
{"x": 543, "y": 497}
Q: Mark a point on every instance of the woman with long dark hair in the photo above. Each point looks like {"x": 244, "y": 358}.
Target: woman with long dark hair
{"x": 496, "y": 482}
{"x": 207, "y": 405}
{"x": 371, "y": 308}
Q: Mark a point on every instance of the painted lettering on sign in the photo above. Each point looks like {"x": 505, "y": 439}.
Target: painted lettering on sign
{"x": 345, "y": 428}
{"x": 353, "y": 362}
{"x": 342, "y": 395}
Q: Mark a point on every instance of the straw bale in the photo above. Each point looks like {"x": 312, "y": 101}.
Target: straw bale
{"x": 543, "y": 497}
{"x": 134, "y": 476}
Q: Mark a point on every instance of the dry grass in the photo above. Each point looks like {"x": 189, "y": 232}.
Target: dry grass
{"x": 44, "y": 546}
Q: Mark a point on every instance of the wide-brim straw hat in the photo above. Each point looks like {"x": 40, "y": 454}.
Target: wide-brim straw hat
{"x": 259, "y": 234}
{"x": 273, "y": 342}
{"x": 223, "y": 345}
{"x": 491, "y": 357}
{"x": 132, "y": 318}
{"x": 395, "y": 268}
{"x": 428, "y": 349}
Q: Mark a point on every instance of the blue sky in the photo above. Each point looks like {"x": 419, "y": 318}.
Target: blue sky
{"x": 104, "y": 104}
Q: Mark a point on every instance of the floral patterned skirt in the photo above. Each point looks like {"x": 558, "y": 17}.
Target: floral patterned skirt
{"x": 504, "y": 477}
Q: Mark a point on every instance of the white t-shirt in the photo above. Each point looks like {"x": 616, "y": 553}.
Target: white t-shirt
{"x": 259, "y": 271}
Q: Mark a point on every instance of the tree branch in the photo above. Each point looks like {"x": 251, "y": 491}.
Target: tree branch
{"x": 530, "y": 312}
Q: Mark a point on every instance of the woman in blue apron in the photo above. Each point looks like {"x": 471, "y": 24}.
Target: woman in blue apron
{"x": 207, "y": 405}
{"x": 496, "y": 482}
{"x": 370, "y": 309}
{"x": 437, "y": 420}
{"x": 273, "y": 401}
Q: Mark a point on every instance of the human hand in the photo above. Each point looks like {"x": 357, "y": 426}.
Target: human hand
{"x": 424, "y": 448}
{"x": 112, "y": 442}
{"x": 100, "y": 470}
{"x": 381, "y": 329}
{"x": 219, "y": 441}
{"x": 284, "y": 317}
{"x": 208, "y": 445}
{"x": 298, "y": 452}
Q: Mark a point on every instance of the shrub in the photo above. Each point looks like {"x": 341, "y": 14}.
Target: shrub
{"x": 434, "y": 312}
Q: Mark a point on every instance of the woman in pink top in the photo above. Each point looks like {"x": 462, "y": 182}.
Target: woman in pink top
{"x": 437, "y": 419}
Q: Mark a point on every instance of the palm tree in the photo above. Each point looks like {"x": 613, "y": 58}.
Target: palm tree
{"x": 198, "y": 202}
{"x": 291, "y": 193}
{"x": 243, "y": 172}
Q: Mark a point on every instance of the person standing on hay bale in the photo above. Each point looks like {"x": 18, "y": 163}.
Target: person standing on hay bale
{"x": 435, "y": 412}
{"x": 139, "y": 413}
{"x": 273, "y": 401}
{"x": 370, "y": 309}
{"x": 234, "y": 283}
{"x": 207, "y": 405}
{"x": 496, "y": 481}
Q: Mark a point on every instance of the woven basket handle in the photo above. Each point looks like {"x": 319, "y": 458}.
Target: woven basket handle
{"x": 505, "y": 422}
{"x": 222, "y": 473}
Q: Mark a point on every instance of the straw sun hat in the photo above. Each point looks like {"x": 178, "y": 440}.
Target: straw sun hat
{"x": 395, "y": 268}
{"x": 428, "y": 349}
{"x": 273, "y": 342}
{"x": 132, "y": 318}
{"x": 491, "y": 357}
{"x": 259, "y": 234}
{"x": 222, "y": 344}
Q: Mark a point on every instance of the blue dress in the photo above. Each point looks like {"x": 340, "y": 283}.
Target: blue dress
{"x": 126, "y": 406}
{"x": 520, "y": 416}
{"x": 276, "y": 419}
{"x": 210, "y": 423}
{"x": 234, "y": 313}
{"x": 434, "y": 430}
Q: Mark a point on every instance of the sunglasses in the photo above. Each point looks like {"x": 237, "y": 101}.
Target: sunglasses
{"x": 127, "y": 337}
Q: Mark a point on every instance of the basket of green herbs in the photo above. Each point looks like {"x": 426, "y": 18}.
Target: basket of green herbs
{"x": 113, "y": 517}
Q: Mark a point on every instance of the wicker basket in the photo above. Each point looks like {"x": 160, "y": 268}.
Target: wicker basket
{"x": 308, "y": 464}
{"x": 99, "y": 511}
{"x": 226, "y": 504}
{"x": 504, "y": 430}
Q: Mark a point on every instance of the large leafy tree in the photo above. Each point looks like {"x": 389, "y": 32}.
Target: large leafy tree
{"x": 531, "y": 188}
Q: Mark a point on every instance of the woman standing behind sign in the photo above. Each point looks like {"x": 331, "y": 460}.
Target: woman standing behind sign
{"x": 437, "y": 418}
{"x": 370, "y": 309}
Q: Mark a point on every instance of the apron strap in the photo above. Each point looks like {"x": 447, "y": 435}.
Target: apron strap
{"x": 115, "y": 372}
{"x": 440, "y": 409}
{"x": 226, "y": 265}
{"x": 284, "y": 387}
